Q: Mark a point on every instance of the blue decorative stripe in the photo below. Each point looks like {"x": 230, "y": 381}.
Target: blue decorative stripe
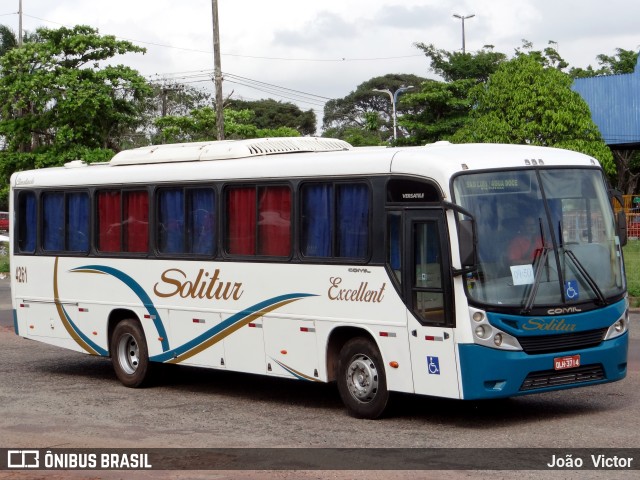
{"x": 234, "y": 320}
{"x": 139, "y": 291}
{"x": 98, "y": 350}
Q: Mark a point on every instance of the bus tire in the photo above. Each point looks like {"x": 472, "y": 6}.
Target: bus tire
{"x": 361, "y": 379}
{"x": 129, "y": 353}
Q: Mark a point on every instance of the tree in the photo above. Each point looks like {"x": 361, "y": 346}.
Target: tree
{"x": 452, "y": 66}
{"x": 55, "y": 97}
{"x": 525, "y": 103}
{"x": 270, "y": 114}
{"x": 200, "y": 125}
{"x": 347, "y": 117}
{"x": 437, "y": 111}
{"x": 59, "y": 101}
{"x": 8, "y": 40}
{"x": 624, "y": 61}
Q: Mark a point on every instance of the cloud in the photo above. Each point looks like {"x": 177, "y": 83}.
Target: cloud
{"x": 325, "y": 28}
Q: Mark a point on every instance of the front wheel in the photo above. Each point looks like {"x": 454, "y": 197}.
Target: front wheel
{"x": 129, "y": 354}
{"x": 361, "y": 379}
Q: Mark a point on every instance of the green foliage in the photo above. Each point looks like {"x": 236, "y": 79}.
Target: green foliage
{"x": 60, "y": 101}
{"x": 548, "y": 58}
{"x": 632, "y": 267}
{"x": 357, "y": 137}
{"x": 55, "y": 96}
{"x": 624, "y": 61}
{"x": 525, "y": 103}
{"x": 436, "y": 111}
{"x": 200, "y": 125}
{"x": 271, "y": 114}
{"x": 452, "y": 66}
{"x": 8, "y": 40}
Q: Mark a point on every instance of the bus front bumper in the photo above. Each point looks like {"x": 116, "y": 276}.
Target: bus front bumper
{"x": 491, "y": 373}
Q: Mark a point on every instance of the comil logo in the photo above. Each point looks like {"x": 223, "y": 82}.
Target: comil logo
{"x": 23, "y": 459}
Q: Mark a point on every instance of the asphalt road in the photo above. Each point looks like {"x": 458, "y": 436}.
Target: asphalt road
{"x": 54, "y": 398}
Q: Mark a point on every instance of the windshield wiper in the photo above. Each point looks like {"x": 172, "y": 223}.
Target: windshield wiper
{"x": 585, "y": 274}
{"x": 542, "y": 260}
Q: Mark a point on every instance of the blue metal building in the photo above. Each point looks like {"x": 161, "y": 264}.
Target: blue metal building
{"x": 614, "y": 101}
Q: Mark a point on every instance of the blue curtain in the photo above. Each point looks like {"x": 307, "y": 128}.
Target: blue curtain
{"x": 171, "y": 221}
{"x": 78, "y": 222}
{"x": 317, "y": 213}
{"x": 353, "y": 220}
{"x": 202, "y": 221}
{"x": 53, "y": 221}
{"x": 27, "y": 222}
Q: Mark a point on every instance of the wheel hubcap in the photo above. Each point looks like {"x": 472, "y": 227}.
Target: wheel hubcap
{"x": 128, "y": 354}
{"x": 362, "y": 378}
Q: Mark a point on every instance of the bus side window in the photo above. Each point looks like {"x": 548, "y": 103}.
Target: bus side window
{"x": 77, "y": 222}
{"x": 123, "y": 221}
{"x": 27, "y": 222}
{"x": 65, "y": 222}
{"x": 335, "y": 220}
{"x": 394, "y": 244}
{"x": 53, "y": 221}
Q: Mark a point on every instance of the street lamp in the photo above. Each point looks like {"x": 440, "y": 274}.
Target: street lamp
{"x": 394, "y": 99}
{"x": 463, "y": 18}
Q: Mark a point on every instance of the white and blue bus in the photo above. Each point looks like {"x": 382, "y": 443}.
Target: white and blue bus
{"x": 458, "y": 271}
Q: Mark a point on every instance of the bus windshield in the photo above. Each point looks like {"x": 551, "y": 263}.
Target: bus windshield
{"x": 546, "y": 237}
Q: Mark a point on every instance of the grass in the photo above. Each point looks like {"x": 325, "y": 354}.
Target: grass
{"x": 4, "y": 257}
{"x": 632, "y": 267}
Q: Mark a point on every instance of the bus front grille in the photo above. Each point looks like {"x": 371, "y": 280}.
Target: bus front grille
{"x": 555, "y": 378}
{"x": 562, "y": 342}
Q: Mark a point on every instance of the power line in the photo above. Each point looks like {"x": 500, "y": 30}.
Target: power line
{"x": 254, "y": 57}
{"x": 269, "y": 88}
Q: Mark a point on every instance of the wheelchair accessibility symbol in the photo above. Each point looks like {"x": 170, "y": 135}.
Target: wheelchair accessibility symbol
{"x": 572, "y": 290}
{"x": 434, "y": 365}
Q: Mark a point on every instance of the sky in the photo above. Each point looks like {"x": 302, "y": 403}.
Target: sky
{"x": 309, "y": 51}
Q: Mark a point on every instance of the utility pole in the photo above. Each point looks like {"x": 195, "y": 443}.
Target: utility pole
{"x": 20, "y": 23}
{"x": 217, "y": 71}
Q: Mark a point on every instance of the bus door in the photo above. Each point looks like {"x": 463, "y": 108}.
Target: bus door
{"x": 427, "y": 289}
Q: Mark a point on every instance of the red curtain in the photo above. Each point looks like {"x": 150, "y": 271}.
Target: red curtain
{"x": 274, "y": 226}
{"x": 136, "y": 214}
{"x": 241, "y": 220}
{"x": 109, "y": 226}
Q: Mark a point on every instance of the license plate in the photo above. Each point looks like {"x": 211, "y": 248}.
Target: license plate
{"x": 562, "y": 363}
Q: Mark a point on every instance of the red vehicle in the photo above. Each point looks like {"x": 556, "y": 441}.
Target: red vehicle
{"x": 4, "y": 221}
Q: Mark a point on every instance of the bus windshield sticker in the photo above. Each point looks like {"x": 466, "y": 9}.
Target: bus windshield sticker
{"x": 572, "y": 290}
{"x": 522, "y": 274}
{"x": 497, "y": 183}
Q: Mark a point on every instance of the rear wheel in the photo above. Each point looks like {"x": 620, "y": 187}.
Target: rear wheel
{"x": 129, "y": 353}
{"x": 361, "y": 379}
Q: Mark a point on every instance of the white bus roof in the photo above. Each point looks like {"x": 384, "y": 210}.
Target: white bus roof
{"x": 294, "y": 158}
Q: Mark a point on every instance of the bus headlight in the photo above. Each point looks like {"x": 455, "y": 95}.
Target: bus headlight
{"x": 619, "y": 328}
{"x": 489, "y": 335}
{"x": 483, "y": 331}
